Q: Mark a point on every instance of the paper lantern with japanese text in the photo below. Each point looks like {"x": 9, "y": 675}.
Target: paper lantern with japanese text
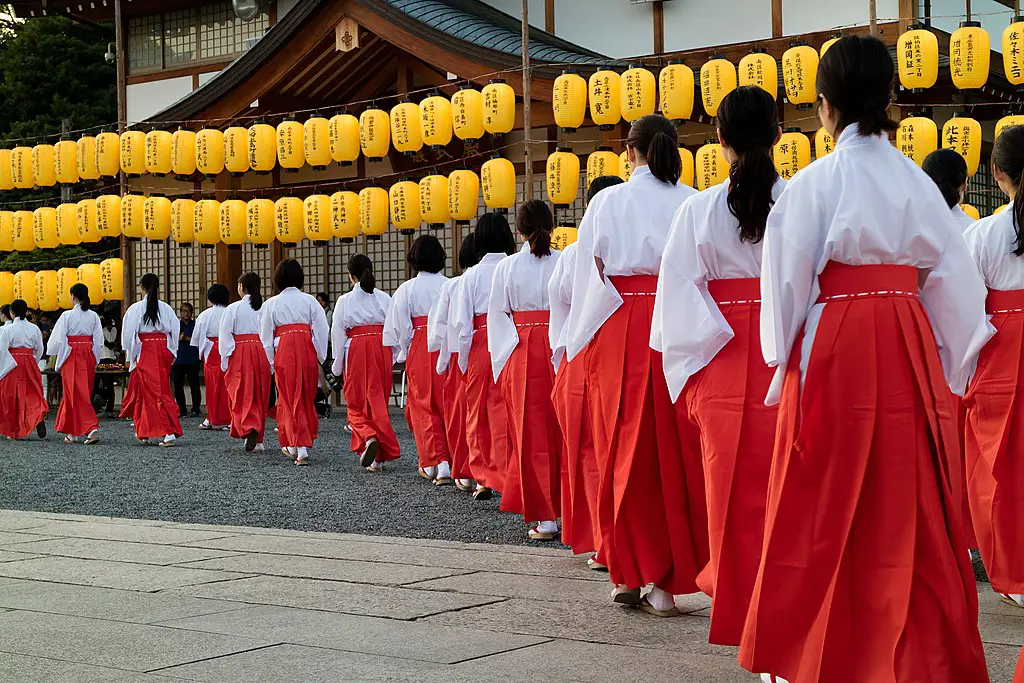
{"x": 25, "y": 287}
{"x": 183, "y": 222}
{"x": 373, "y": 212}
{"x": 291, "y": 144}
{"x": 159, "y": 157}
{"x": 6, "y": 288}
{"x": 345, "y": 215}
{"x": 6, "y": 231}
{"x": 133, "y": 217}
{"x": 65, "y": 162}
{"x": 156, "y": 212}
{"x": 601, "y": 162}
{"x": 969, "y": 54}
{"x": 207, "y": 223}
{"x": 108, "y": 154}
{"x": 86, "y": 221}
{"x": 318, "y": 218}
{"x": 233, "y": 223}
{"x": 6, "y": 179}
{"x": 46, "y": 290}
{"x": 236, "y": 150}
{"x": 970, "y": 211}
{"x": 343, "y": 135}
{"x": 44, "y": 227}
{"x": 91, "y": 275}
{"x": 66, "y": 279}
{"x": 569, "y": 101}
{"x": 562, "y": 236}
{"x": 436, "y": 121}
{"x": 917, "y": 137}
{"x": 712, "y": 168}
{"x": 687, "y": 165}
{"x": 434, "y": 201}
{"x": 604, "y": 94}
{"x": 468, "y": 113}
{"x": 498, "y": 180}
{"x": 133, "y": 153}
{"x": 183, "y": 152}
{"x": 405, "y": 128}
{"x": 21, "y": 168}
{"x": 374, "y": 134}
{"x": 823, "y": 143}
{"x": 1008, "y": 122}
{"x": 108, "y": 215}
{"x": 112, "y": 279}
{"x": 210, "y": 152}
{"x": 289, "y": 220}
{"x": 799, "y": 72}
{"x": 917, "y": 58}
{"x": 563, "y": 177}
{"x": 499, "y": 107}
{"x": 67, "y": 224}
{"x": 1013, "y": 51}
{"x": 717, "y": 79}
{"x": 23, "y": 237}
{"x": 760, "y": 68}
{"x": 637, "y": 97}
{"x": 675, "y": 85}
{"x": 792, "y": 152}
{"x": 963, "y": 134}
{"x": 827, "y": 44}
{"x": 317, "y": 142}
{"x": 263, "y": 149}
{"x": 259, "y": 222}
{"x": 463, "y": 196}
{"x": 625, "y": 168}
{"x": 404, "y": 198}
{"x": 85, "y": 155}
{"x": 42, "y": 166}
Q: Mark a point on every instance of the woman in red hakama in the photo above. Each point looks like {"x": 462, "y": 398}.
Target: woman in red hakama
{"x": 22, "y": 401}
{"x": 150, "y": 339}
{"x": 863, "y": 578}
{"x": 366, "y": 364}
{"x": 76, "y": 340}
{"x": 245, "y": 365}
{"x": 206, "y": 338}
{"x": 294, "y": 331}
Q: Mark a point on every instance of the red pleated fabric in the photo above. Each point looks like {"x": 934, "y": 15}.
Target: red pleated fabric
{"x": 863, "y": 576}
{"x": 581, "y": 477}
{"x": 993, "y": 438}
{"x": 1018, "y": 675}
{"x": 76, "y": 416}
{"x": 217, "y": 410}
{"x": 21, "y": 396}
{"x": 424, "y": 405}
{"x": 725, "y": 403}
{"x": 487, "y": 429}
{"x": 455, "y": 420}
{"x": 367, "y": 387}
{"x": 647, "y": 533}
{"x": 148, "y": 400}
{"x": 297, "y": 374}
{"x": 247, "y": 385}
{"x": 971, "y": 540}
{"x": 534, "y": 471}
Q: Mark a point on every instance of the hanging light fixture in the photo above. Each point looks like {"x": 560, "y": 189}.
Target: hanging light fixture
{"x": 760, "y": 68}
{"x": 675, "y": 85}
{"x": 434, "y": 201}
{"x": 569, "y": 101}
{"x": 717, "y": 79}
{"x": 917, "y": 57}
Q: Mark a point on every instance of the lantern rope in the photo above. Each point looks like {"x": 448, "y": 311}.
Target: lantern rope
{"x": 88, "y": 258}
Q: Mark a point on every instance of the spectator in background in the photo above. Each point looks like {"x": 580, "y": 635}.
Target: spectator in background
{"x": 108, "y": 356}
{"x": 5, "y": 314}
{"x": 186, "y": 364}
{"x": 325, "y": 303}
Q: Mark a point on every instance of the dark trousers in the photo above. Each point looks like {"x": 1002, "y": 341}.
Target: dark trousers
{"x": 181, "y": 372}
{"x": 104, "y": 386}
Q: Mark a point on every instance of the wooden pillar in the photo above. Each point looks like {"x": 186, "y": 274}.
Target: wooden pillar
{"x": 276, "y": 248}
{"x": 527, "y": 121}
{"x": 659, "y": 27}
{"x": 776, "y": 18}
{"x": 549, "y": 15}
{"x": 229, "y": 261}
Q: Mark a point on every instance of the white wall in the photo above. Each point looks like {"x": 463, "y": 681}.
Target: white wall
{"x": 146, "y": 99}
{"x": 806, "y": 16}
{"x": 515, "y": 8}
{"x": 691, "y": 24}
{"x": 611, "y": 27}
{"x": 994, "y": 17}
{"x": 203, "y": 78}
{"x": 284, "y": 6}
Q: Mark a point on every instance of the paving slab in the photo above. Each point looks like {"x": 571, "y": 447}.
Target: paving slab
{"x": 132, "y": 647}
{"x": 103, "y": 519}
{"x": 1002, "y": 660}
{"x": 10, "y": 556}
{"x": 989, "y": 603}
{"x": 10, "y": 521}
{"x": 142, "y": 533}
{"x": 352, "y": 633}
{"x": 338, "y": 596}
{"x": 14, "y": 537}
{"x": 24, "y": 669}
{"x": 126, "y": 576}
{"x": 117, "y": 551}
{"x": 1002, "y": 630}
{"x": 106, "y": 603}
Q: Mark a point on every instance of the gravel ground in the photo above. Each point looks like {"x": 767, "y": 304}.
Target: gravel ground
{"x": 209, "y": 479}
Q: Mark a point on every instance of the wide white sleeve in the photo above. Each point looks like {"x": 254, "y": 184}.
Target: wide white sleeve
{"x": 398, "y": 324}
{"x": 559, "y": 312}
{"x": 688, "y": 328}
{"x": 37, "y": 343}
{"x": 175, "y": 325}
{"x": 58, "y": 337}
{"x": 267, "y": 329}
{"x": 502, "y": 337}
{"x": 437, "y": 319}
{"x": 97, "y": 337}
{"x": 226, "y": 336}
{"x": 199, "y": 333}
{"x": 594, "y": 298}
{"x": 130, "y": 334}
{"x": 321, "y": 331}
{"x": 460, "y": 319}
{"x": 339, "y": 338}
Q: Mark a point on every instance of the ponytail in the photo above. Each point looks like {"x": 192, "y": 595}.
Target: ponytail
{"x": 1008, "y": 157}
{"x": 251, "y": 285}
{"x": 361, "y": 268}
{"x": 81, "y": 292}
{"x": 151, "y": 283}
{"x": 654, "y": 139}
{"x": 535, "y": 223}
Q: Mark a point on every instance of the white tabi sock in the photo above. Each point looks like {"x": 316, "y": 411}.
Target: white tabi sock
{"x": 444, "y": 470}
{"x": 547, "y": 527}
{"x": 660, "y": 600}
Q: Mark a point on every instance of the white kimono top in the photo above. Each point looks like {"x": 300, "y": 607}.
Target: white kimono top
{"x": 626, "y": 226}
{"x": 207, "y": 325}
{"x": 560, "y": 299}
{"x": 352, "y": 310}
{"x": 75, "y": 323}
{"x": 961, "y": 218}
{"x": 293, "y": 307}
{"x": 439, "y": 332}
{"x": 704, "y": 244}
{"x": 412, "y": 299}
{"x": 238, "y": 318}
{"x": 471, "y": 298}
{"x": 166, "y": 323}
{"x": 18, "y": 334}
{"x": 867, "y": 203}
{"x": 990, "y": 242}
{"x": 520, "y": 283}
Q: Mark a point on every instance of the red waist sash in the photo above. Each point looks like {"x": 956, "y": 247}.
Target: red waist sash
{"x": 365, "y": 331}
{"x": 22, "y": 351}
{"x": 153, "y": 337}
{"x": 296, "y": 328}
{"x": 480, "y": 321}
{"x": 841, "y": 281}
{"x": 531, "y": 318}
{"x": 247, "y": 339}
{"x": 741, "y": 290}
{"x": 419, "y": 322}
{"x": 79, "y": 339}
{"x": 635, "y": 285}
{"x": 1004, "y": 301}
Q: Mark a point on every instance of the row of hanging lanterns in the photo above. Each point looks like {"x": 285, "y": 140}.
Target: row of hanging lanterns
{"x": 50, "y": 290}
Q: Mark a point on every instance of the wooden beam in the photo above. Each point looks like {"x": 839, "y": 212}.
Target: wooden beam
{"x": 776, "y": 18}
{"x": 549, "y": 15}
{"x": 908, "y": 13}
{"x": 659, "y": 27}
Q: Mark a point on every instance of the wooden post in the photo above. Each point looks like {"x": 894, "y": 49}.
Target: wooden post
{"x": 527, "y": 133}
{"x": 873, "y": 17}
{"x": 122, "y": 122}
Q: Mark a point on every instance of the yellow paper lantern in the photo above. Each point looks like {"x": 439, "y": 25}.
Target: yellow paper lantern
{"x": 291, "y": 144}
{"x": 210, "y": 152}
{"x": 760, "y": 68}
{"x": 183, "y": 152}
{"x": 963, "y": 134}
{"x": 404, "y": 198}
{"x": 42, "y": 166}
{"x": 434, "y": 201}
{"x": 498, "y": 180}
{"x": 233, "y": 223}
{"x": 112, "y": 279}
{"x": 969, "y": 54}
{"x": 133, "y": 153}
{"x": 999, "y": 209}
{"x": 85, "y": 156}
{"x": 316, "y": 138}
{"x": 108, "y": 215}
{"x": 207, "y": 223}
{"x": 436, "y": 121}
{"x": 6, "y": 179}
{"x": 675, "y": 84}
{"x": 21, "y": 168}
{"x": 374, "y": 134}
{"x": 823, "y": 143}
{"x": 563, "y": 177}
{"x": 638, "y": 93}
{"x": 91, "y": 275}
{"x": 22, "y": 231}
{"x": 344, "y": 138}
{"x": 799, "y": 72}
{"x": 345, "y": 216}
{"x": 604, "y": 94}
{"x": 601, "y": 163}
{"x": 183, "y": 222}
{"x": 717, "y": 79}
{"x": 792, "y": 152}
{"x": 289, "y": 220}
{"x": 463, "y": 196}
{"x": 373, "y": 212}
{"x": 259, "y": 223}
{"x": 499, "y": 108}
{"x": 971, "y": 211}
{"x": 108, "y": 154}
{"x": 688, "y": 166}
{"x": 6, "y": 231}
{"x": 917, "y": 137}
{"x": 46, "y": 290}
{"x": 1013, "y": 51}
{"x": 917, "y": 58}
{"x": 1008, "y": 122}
{"x": 67, "y": 224}
{"x": 236, "y": 150}
{"x": 25, "y": 287}
{"x": 569, "y": 101}
{"x": 468, "y": 113}
{"x": 66, "y": 279}
{"x": 317, "y": 208}
{"x": 563, "y": 236}
{"x": 827, "y": 44}
{"x": 133, "y": 217}
{"x": 156, "y": 214}
{"x": 405, "y": 128}
{"x": 159, "y": 156}
{"x": 6, "y": 288}
{"x": 85, "y": 219}
{"x": 712, "y": 168}
{"x": 44, "y": 227}
{"x": 65, "y": 162}
{"x": 625, "y": 168}
{"x": 263, "y": 148}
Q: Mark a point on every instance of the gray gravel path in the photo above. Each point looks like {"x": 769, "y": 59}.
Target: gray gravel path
{"x": 208, "y": 479}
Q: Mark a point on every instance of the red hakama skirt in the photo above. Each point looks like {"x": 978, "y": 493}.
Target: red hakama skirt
{"x": 725, "y": 403}
{"x": 247, "y": 386}
{"x": 368, "y": 380}
{"x": 217, "y": 411}
{"x": 994, "y": 435}
{"x": 647, "y": 532}
{"x": 148, "y": 400}
{"x": 961, "y": 429}
{"x": 1018, "y": 675}
{"x": 424, "y": 406}
{"x": 487, "y": 429}
{"x": 455, "y": 419}
{"x": 863, "y": 575}
{"x": 76, "y": 416}
{"x": 297, "y": 374}
{"x": 21, "y": 395}
{"x": 533, "y": 476}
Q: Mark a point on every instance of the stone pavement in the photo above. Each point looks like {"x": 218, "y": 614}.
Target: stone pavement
{"x": 104, "y": 600}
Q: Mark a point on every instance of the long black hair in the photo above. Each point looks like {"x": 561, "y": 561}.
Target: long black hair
{"x": 856, "y": 77}
{"x": 748, "y": 123}
{"x": 251, "y": 285}
{"x": 467, "y": 252}
{"x": 19, "y": 308}
{"x": 949, "y": 171}
{"x": 361, "y": 268}
{"x": 535, "y": 223}
{"x": 654, "y": 138}
{"x": 493, "y": 235}
{"x": 81, "y": 292}
{"x": 426, "y": 255}
{"x": 1008, "y": 157}
{"x": 151, "y": 283}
